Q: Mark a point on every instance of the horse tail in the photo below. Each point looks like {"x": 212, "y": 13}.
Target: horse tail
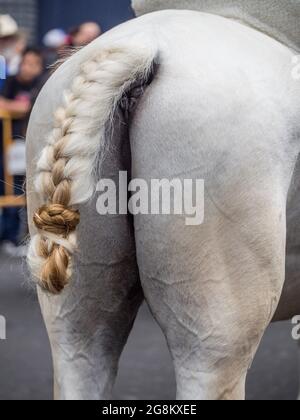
{"x": 65, "y": 171}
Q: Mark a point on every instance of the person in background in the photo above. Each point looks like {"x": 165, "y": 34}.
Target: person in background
{"x": 17, "y": 96}
{"x": 12, "y": 44}
{"x": 8, "y": 32}
{"x": 55, "y": 42}
{"x": 15, "y": 53}
{"x": 19, "y": 91}
{"x": 84, "y": 34}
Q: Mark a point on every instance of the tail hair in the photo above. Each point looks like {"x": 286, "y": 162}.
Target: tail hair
{"x": 64, "y": 177}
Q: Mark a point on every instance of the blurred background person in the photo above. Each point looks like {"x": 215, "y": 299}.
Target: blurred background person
{"x": 17, "y": 97}
{"x": 19, "y": 91}
{"x": 12, "y": 44}
{"x": 54, "y": 42}
{"x": 84, "y": 34}
{"x": 14, "y": 54}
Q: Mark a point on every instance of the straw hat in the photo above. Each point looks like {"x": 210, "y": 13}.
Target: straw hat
{"x": 8, "y": 26}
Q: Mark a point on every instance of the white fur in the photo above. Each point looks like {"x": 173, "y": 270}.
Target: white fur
{"x": 222, "y": 108}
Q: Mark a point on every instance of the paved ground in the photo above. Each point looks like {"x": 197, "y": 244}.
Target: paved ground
{"x": 146, "y": 371}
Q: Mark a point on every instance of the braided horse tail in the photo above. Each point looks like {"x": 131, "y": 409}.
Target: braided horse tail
{"x": 64, "y": 177}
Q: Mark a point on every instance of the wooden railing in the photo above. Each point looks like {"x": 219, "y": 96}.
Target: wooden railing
{"x": 9, "y": 199}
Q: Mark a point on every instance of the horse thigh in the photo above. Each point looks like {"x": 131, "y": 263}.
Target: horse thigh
{"x": 213, "y": 289}
{"x": 88, "y": 325}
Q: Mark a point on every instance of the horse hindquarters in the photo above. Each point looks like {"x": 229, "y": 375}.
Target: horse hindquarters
{"x": 212, "y": 288}
{"x": 98, "y": 315}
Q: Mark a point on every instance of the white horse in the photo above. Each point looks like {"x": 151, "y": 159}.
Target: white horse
{"x": 216, "y": 98}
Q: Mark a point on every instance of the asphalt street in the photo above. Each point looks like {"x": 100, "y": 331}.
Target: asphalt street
{"x": 145, "y": 371}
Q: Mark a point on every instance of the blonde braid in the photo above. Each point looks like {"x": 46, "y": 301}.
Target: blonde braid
{"x": 65, "y": 168}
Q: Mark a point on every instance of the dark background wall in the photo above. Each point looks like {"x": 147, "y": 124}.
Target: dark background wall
{"x": 26, "y": 14}
{"x": 39, "y": 16}
{"x": 67, "y": 13}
